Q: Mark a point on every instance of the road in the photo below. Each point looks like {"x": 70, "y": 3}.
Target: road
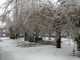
{"x": 5, "y": 55}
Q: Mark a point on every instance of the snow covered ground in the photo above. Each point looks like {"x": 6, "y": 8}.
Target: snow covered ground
{"x": 10, "y": 50}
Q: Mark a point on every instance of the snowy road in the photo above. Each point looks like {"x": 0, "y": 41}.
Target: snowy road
{"x": 5, "y": 55}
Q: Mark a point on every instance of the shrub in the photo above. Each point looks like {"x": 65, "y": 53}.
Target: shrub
{"x": 30, "y": 39}
{"x": 12, "y": 35}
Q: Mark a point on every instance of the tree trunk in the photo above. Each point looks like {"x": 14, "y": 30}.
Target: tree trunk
{"x": 58, "y": 39}
{"x": 16, "y": 35}
{"x": 49, "y": 36}
{"x": 36, "y": 37}
{"x": 78, "y": 45}
{"x": 78, "y": 42}
{"x": 25, "y": 36}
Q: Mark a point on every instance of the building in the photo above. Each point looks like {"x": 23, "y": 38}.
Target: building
{"x": 3, "y": 32}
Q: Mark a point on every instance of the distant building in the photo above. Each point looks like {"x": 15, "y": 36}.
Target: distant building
{"x": 3, "y": 32}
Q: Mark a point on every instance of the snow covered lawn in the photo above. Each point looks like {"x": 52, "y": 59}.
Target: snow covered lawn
{"x": 9, "y": 50}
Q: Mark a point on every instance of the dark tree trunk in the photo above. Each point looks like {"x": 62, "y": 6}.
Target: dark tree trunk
{"x": 78, "y": 42}
{"x": 25, "y": 36}
{"x": 49, "y": 36}
{"x": 78, "y": 46}
{"x": 36, "y": 37}
{"x": 58, "y": 39}
{"x": 16, "y": 35}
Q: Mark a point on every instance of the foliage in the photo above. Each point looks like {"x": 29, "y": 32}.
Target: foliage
{"x": 30, "y": 39}
{"x": 12, "y": 35}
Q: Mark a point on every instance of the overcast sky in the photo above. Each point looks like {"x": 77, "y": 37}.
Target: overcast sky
{"x": 1, "y": 2}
